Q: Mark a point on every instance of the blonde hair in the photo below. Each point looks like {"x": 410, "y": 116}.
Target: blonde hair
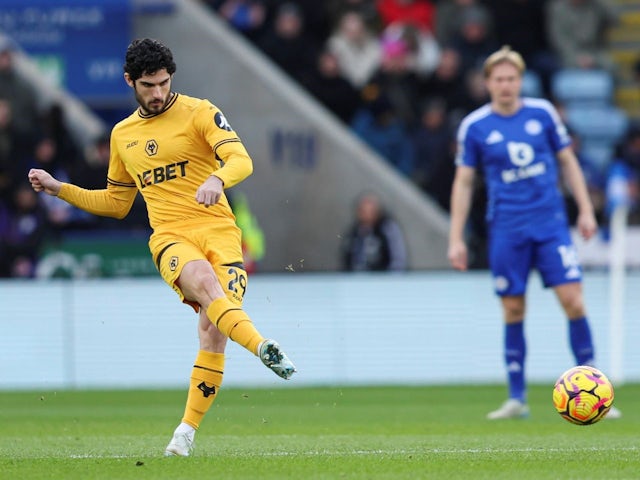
{"x": 504, "y": 55}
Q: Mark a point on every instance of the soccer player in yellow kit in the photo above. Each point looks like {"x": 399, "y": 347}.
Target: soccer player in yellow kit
{"x": 180, "y": 153}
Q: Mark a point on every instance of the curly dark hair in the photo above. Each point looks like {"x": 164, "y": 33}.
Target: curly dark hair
{"x": 147, "y": 56}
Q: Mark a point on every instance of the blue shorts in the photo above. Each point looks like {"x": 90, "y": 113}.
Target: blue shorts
{"x": 512, "y": 256}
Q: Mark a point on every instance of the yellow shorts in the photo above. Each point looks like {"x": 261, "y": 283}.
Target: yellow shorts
{"x": 219, "y": 242}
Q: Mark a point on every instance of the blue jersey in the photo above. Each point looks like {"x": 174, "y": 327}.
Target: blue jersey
{"x": 517, "y": 155}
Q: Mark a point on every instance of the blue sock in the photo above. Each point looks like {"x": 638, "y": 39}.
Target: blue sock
{"x": 514, "y": 355}
{"x": 580, "y": 339}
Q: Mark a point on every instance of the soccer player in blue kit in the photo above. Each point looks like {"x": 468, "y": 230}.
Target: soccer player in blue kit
{"x": 520, "y": 145}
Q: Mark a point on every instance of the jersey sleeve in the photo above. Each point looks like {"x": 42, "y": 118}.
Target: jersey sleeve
{"x": 466, "y": 151}
{"x": 235, "y": 163}
{"x": 555, "y": 127}
{"x": 114, "y": 201}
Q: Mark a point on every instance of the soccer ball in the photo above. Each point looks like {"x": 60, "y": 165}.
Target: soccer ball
{"x": 583, "y": 395}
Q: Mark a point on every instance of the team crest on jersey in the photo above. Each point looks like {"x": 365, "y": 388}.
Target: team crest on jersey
{"x": 533, "y": 127}
{"x": 151, "y": 147}
{"x": 173, "y": 263}
{"x": 521, "y": 154}
{"x": 222, "y": 122}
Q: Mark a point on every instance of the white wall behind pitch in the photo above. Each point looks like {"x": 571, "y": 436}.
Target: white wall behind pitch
{"x": 417, "y": 328}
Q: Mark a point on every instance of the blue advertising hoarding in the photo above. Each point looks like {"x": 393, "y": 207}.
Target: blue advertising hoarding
{"x": 78, "y": 44}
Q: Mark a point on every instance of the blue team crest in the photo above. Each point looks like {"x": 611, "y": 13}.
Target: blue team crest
{"x": 533, "y": 127}
{"x": 520, "y": 154}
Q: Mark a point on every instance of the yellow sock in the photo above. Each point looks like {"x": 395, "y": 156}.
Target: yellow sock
{"x": 231, "y": 320}
{"x": 206, "y": 378}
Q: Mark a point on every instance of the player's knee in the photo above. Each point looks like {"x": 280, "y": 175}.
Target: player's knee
{"x": 202, "y": 285}
{"x": 574, "y": 307}
{"x": 572, "y": 303}
{"x": 205, "y": 280}
{"x": 513, "y": 310}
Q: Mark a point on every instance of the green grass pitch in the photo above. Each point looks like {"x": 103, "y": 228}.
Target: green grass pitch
{"x": 393, "y": 432}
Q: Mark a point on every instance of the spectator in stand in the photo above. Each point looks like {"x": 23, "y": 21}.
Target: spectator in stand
{"x": 366, "y": 8}
{"x": 378, "y": 125}
{"x": 476, "y": 93}
{"x": 521, "y": 24}
{"x": 23, "y": 232}
{"x": 317, "y": 23}
{"x": 449, "y": 16}
{"x": 20, "y": 95}
{"x": 474, "y": 40}
{"x": 249, "y": 17}
{"x": 332, "y": 89}
{"x": 423, "y": 47}
{"x": 287, "y": 43}
{"x": 447, "y": 81}
{"x": 92, "y": 172}
{"x": 8, "y": 152}
{"x": 397, "y": 77}
{"x": 54, "y": 126}
{"x": 420, "y": 13}
{"x": 60, "y": 214}
{"x": 356, "y": 48}
{"x": 577, "y": 32}
{"x": 626, "y": 167}
{"x": 374, "y": 242}
{"x": 253, "y": 244}
{"x": 434, "y": 143}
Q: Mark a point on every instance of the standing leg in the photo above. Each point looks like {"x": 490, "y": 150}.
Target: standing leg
{"x": 570, "y": 298}
{"x": 206, "y": 379}
{"x": 515, "y": 349}
{"x": 514, "y": 357}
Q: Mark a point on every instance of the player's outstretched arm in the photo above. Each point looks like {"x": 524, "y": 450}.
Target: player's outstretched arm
{"x": 42, "y": 181}
{"x": 114, "y": 201}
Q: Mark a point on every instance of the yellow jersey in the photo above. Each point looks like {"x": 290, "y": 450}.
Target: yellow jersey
{"x": 166, "y": 157}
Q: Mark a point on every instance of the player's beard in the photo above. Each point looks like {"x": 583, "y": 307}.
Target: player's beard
{"x": 153, "y": 106}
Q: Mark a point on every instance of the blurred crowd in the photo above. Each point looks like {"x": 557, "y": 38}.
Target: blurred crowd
{"x": 400, "y": 73}
{"x": 33, "y": 136}
{"x": 403, "y": 73}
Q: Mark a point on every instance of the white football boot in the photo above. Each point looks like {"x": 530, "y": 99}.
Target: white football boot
{"x": 181, "y": 444}
{"x": 273, "y": 357}
{"x": 613, "y": 414}
{"x": 512, "y": 408}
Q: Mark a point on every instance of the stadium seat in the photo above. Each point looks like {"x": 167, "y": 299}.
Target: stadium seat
{"x": 601, "y": 154}
{"x": 593, "y": 87}
{"x": 531, "y": 84}
{"x": 605, "y": 122}
{"x": 599, "y": 127}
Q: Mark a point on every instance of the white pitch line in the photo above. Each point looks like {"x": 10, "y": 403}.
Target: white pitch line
{"x": 356, "y": 453}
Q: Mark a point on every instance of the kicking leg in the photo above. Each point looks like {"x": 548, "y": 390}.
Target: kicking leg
{"x": 199, "y": 283}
